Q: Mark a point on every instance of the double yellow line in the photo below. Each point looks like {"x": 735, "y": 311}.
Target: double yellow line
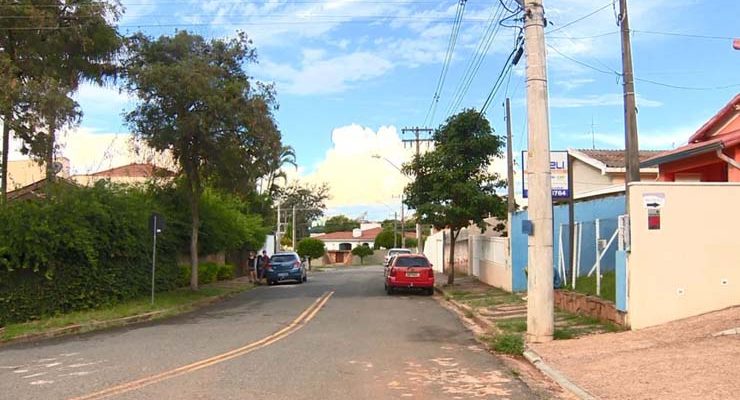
{"x": 306, "y": 316}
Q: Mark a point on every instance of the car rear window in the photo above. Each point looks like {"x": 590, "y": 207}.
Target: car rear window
{"x": 412, "y": 262}
{"x": 281, "y": 258}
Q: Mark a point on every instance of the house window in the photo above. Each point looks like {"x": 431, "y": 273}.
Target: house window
{"x": 345, "y": 246}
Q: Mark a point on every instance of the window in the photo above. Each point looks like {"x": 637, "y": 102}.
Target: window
{"x": 283, "y": 258}
{"x": 412, "y": 262}
{"x": 345, "y": 246}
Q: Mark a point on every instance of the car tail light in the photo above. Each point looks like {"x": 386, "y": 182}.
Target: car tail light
{"x": 393, "y": 271}
{"x": 268, "y": 267}
{"x": 296, "y": 264}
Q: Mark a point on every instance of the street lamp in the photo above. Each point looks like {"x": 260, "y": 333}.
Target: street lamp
{"x": 418, "y": 226}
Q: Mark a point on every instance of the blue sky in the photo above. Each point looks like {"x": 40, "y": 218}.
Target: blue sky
{"x": 364, "y": 65}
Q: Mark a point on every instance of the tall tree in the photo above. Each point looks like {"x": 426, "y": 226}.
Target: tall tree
{"x": 453, "y": 186}
{"x": 309, "y": 201}
{"x": 49, "y": 48}
{"x": 286, "y": 156}
{"x": 197, "y": 101}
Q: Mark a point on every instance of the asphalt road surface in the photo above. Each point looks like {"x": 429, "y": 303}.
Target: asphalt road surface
{"x": 339, "y": 336}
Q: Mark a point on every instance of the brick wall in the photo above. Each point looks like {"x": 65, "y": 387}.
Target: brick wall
{"x": 592, "y": 306}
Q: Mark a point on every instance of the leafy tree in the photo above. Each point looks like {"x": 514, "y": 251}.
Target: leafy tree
{"x": 43, "y": 67}
{"x": 453, "y": 186}
{"x": 309, "y": 201}
{"x": 362, "y": 252}
{"x": 286, "y": 156}
{"x": 311, "y": 248}
{"x": 197, "y": 102}
{"x": 385, "y": 239}
{"x": 411, "y": 243}
{"x": 340, "y": 223}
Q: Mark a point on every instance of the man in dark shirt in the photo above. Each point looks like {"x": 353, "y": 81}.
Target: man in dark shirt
{"x": 262, "y": 263}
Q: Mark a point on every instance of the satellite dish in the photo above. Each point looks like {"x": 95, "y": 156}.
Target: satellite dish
{"x": 356, "y": 233}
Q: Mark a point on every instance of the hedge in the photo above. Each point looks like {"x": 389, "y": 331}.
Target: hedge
{"x": 83, "y": 248}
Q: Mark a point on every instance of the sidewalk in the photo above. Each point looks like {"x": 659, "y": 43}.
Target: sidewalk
{"x": 678, "y": 360}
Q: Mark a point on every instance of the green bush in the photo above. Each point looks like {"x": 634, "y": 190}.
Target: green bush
{"x": 226, "y": 272}
{"x": 83, "y": 248}
{"x": 207, "y": 273}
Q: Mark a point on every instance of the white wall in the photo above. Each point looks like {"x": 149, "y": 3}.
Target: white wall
{"x": 434, "y": 251}
{"x": 334, "y": 245}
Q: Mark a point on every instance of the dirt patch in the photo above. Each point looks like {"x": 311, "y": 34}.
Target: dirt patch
{"x": 679, "y": 360}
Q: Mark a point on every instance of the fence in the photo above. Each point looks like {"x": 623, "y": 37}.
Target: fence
{"x": 489, "y": 260}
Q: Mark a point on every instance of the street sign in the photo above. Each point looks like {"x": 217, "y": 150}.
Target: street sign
{"x": 158, "y": 220}
{"x": 653, "y": 200}
{"x": 558, "y": 174}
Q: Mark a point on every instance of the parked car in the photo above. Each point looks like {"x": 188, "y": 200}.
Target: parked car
{"x": 394, "y": 252}
{"x": 409, "y": 271}
{"x": 285, "y": 266}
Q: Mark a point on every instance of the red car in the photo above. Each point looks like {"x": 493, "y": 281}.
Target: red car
{"x": 409, "y": 271}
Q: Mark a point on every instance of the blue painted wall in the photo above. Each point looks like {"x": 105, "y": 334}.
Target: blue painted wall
{"x": 606, "y": 209}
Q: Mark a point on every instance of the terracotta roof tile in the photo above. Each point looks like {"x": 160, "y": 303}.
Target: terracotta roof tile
{"x": 615, "y": 158}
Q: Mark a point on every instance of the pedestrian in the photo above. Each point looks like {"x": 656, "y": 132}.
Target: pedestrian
{"x": 251, "y": 267}
{"x": 263, "y": 261}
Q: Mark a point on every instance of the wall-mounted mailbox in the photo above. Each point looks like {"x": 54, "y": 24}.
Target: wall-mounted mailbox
{"x": 527, "y": 227}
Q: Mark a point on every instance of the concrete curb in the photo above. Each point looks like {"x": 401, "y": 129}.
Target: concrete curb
{"x": 556, "y": 375}
{"x": 118, "y": 322}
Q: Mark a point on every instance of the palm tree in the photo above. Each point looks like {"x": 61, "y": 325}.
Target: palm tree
{"x": 286, "y": 156}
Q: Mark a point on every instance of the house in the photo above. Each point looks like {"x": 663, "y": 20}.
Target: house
{"x": 597, "y": 170}
{"x": 37, "y": 189}
{"x": 339, "y": 245}
{"x": 134, "y": 173}
{"x": 712, "y": 153}
{"x": 22, "y": 173}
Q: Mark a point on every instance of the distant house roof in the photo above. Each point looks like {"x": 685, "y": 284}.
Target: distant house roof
{"x": 368, "y": 235}
{"x": 726, "y": 112}
{"x": 609, "y": 160}
{"x": 35, "y": 190}
{"x": 137, "y": 170}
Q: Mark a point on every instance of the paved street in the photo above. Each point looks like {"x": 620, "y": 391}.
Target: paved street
{"x": 354, "y": 343}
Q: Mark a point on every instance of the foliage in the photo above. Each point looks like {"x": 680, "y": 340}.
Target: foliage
{"x": 508, "y": 343}
{"x": 84, "y": 248}
{"x": 311, "y": 248}
{"x": 309, "y": 201}
{"x": 411, "y": 243}
{"x": 219, "y": 126}
{"x": 385, "y": 239}
{"x": 44, "y": 67}
{"x": 453, "y": 186}
{"x": 362, "y": 252}
{"x": 587, "y": 285}
{"x": 340, "y": 223}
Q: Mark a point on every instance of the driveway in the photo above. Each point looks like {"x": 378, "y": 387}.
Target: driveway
{"x": 339, "y": 336}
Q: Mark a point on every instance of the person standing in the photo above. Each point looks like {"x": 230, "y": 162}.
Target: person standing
{"x": 252, "y": 267}
{"x": 262, "y": 262}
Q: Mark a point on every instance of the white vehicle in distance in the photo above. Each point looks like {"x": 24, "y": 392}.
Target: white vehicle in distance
{"x": 392, "y": 253}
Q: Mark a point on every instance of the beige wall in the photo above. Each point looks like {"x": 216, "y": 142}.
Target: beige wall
{"x": 586, "y": 178}
{"x": 691, "y": 265}
{"x": 25, "y": 172}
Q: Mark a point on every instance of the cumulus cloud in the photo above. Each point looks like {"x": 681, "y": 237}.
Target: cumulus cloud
{"x": 319, "y": 75}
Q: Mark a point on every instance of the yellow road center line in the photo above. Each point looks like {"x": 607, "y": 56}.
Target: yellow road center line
{"x": 307, "y": 315}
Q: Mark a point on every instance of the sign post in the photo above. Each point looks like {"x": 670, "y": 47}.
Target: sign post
{"x": 156, "y": 224}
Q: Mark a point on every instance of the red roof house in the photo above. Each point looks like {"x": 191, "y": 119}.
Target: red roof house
{"x": 712, "y": 154}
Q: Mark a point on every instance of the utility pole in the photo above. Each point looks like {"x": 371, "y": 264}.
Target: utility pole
{"x": 403, "y": 225}
{"x": 630, "y": 107}
{"x": 417, "y": 140}
{"x": 395, "y": 229}
{"x": 277, "y": 232}
{"x": 510, "y": 166}
{"x": 540, "y": 306}
{"x": 294, "y": 229}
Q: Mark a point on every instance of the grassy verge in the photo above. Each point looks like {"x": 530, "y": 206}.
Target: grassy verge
{"x": 587, "y": 285}
{"x": 167, "y": 303}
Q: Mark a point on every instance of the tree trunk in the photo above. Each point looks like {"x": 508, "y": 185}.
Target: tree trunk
{"x": 195, "y": 219}
{"x": 6, "y": 148}
{"x": 49, "y": 156}
{"x": 453, "y": 240}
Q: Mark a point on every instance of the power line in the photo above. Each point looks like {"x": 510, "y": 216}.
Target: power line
{"x": 689, "y": 35}
{"x": 668, "y": 85}
{"x": 582, "y": 18}
{"x": 448, "y": 59}
{"x": 508, "y": 65}
{"x": 477, "y": 59}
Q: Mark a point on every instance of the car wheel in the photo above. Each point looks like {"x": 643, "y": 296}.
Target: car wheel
{"x": 389, "y": 290}
{"x": 305, "y": 278}
{"x": 430, "y": 292}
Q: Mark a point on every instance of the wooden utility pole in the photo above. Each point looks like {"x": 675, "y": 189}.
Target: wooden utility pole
{"x": 540, "y": 307}
{"x": 395, "y": 229}
{"x": 510, "y": 158}
{"x": 403, "y": 225}
{"x": 277, "y": 232}
{"x": 630, "y": 107}
{"x": 417, "y": 140}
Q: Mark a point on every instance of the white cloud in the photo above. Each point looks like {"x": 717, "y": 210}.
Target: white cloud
{"x": 318, "y": 75}
{"x": 354, "y": 176}
{"x": 658, "y": 140}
